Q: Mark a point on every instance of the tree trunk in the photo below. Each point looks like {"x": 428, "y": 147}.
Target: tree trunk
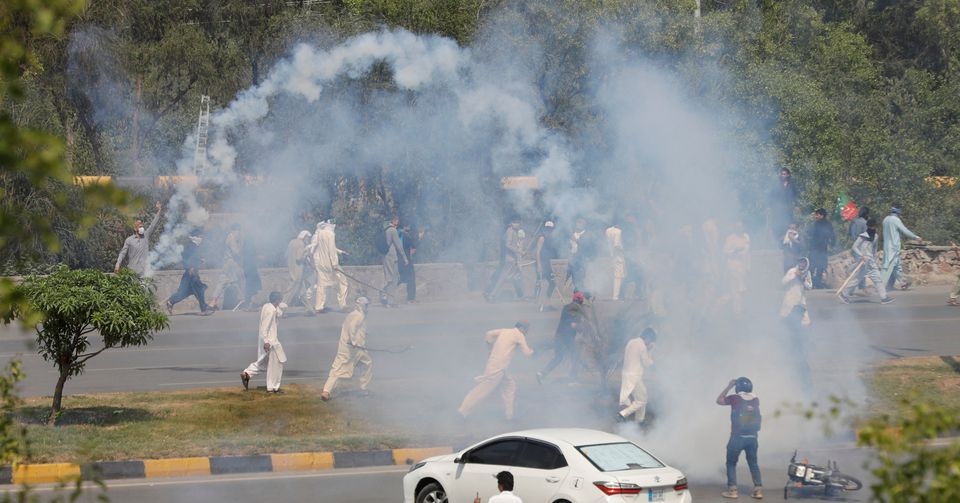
{"x": 57, "y": 398}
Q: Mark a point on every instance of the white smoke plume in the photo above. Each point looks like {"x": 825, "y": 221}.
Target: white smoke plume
{"x": 470, "y": 109}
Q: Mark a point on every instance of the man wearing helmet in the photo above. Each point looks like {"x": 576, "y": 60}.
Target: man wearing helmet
{"x": 744, "y": 427}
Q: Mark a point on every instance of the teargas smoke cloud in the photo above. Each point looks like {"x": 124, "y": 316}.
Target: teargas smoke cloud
{"x": 290, "y": 127}
{"x": 670, "y": 157}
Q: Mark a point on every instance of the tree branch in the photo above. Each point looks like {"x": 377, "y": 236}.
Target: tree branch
{"x": 165, "y": 110}
{"x": 83, "y": 358}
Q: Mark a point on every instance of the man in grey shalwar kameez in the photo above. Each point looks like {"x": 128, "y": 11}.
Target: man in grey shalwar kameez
{"x": 391, "y": 261}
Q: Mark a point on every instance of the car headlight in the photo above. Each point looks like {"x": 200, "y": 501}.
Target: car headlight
{"x": 418, "y": 465}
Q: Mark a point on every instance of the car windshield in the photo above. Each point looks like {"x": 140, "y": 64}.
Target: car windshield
{"x": 617, "y": 457}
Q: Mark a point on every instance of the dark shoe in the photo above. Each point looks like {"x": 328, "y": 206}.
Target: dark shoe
{"x": 278, "y": 392}
{"x": 245, "y": 379}
{"x": 619, "y": 418}
{"x": 844, "y": 299}
{"x": 887, "y": 300}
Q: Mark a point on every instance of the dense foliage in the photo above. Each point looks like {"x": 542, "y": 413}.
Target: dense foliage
{"x": 80, "y": 305}
{"x": 856, "y": 97}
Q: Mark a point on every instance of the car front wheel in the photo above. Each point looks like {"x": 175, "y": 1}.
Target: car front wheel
{"x": 432, "y": 493}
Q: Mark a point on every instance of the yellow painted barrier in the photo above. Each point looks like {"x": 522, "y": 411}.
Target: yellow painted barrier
{"x": 401, "y": 456}
{"x": 176, "y": 467}
{"x": 170, "y": 181}
{"x": 45, "y": 473}
{"x": 92, "y": 180}
{"x": 301, "y": 461}
{"x": 941, "y": 181}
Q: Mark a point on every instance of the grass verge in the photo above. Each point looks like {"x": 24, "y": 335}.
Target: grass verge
{"x": 926, "y": 379}
{"x": 228, "y": 421}
{"x": 204, "y": 422}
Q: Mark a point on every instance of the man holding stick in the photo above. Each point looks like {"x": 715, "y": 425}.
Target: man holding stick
{"x": 865, "y": 249}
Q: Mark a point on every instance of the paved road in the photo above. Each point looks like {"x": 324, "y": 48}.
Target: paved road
{"x": 380, "y": 485}
{"x": 446, "y": 338}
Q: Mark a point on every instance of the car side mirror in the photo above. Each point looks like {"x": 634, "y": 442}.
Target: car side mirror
{"x": 458, "y": 460}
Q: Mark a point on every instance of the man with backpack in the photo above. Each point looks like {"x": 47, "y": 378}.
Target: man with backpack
{"x": 744, "y": 426}
{"x": 392, "y": 250}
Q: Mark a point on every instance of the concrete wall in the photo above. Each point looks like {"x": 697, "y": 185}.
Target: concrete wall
{"x": 434, "y": 282}
{"x": 455, "y": 280}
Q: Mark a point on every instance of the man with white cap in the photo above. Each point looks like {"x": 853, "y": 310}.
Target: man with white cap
{"x": 270, "y": 355}
{"x": 352, "y": 351}
{"x": 892, "y": 228}
{"x": 502, "y": 342}
{"x": 326, "y": 261}
{"x": 297, "y": 262}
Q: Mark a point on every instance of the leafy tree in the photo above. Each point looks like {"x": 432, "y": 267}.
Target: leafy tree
{"x": 912, "y": 464}
{"x": 78, "y": 303}
{"x": 35, "y": 183}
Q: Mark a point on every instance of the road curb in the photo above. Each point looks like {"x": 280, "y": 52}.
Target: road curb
{"x": 47, "y": 473}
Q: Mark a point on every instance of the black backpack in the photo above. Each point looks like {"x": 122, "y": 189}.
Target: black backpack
{"x": 746, "y": 418}
{"x": 380, "y": 242}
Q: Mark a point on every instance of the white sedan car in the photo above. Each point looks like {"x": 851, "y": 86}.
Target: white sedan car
{"x": 562, "y": 465}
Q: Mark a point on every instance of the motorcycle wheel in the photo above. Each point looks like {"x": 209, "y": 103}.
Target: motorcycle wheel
{"x": 846, "y": 482}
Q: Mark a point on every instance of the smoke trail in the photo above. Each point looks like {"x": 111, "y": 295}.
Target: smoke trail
{"x": 501, "y": 120}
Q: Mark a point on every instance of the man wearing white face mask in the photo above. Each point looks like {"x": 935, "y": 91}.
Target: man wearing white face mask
{"x": 136, "y": 248}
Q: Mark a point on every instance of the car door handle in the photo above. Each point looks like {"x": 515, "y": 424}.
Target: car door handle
{"x": 553, "y": 480}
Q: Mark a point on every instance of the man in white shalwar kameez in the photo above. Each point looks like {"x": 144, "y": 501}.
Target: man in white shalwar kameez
{"x": 797, "y": 280}
{"x": 297, "y": 262}
{"x": 270, "y": 355}
{"x": 352, "y": 351}
{"x": 618, "y": 260}
{"x": 326, "y": 261}
{"x": 633, "y": 392}
{"x": 502, "y": 342}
